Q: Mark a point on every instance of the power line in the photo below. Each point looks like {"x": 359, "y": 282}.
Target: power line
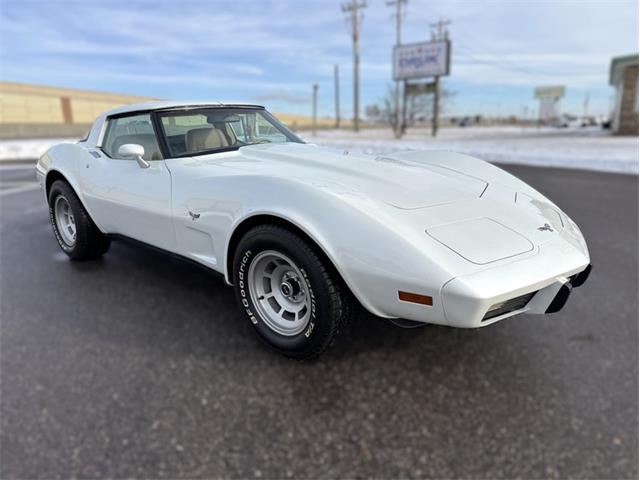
{"x": 498, "y": 61}
{"x": 352, "y": 10}
{"x": 439, "y": 29}
{"x": 467, "y": 53}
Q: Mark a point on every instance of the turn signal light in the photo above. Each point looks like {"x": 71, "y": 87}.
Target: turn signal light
{"x": 415, "y": 298}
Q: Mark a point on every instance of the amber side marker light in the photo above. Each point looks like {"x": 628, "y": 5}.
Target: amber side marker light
{"x": 415, "y": 298}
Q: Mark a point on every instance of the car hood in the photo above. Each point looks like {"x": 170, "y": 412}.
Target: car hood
{"x": 472, "y": 208}
{"x": 479, "y": 212}
{"x": 401, "y": 183}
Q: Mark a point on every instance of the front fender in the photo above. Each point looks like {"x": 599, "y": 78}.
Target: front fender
{"x": 369, "y": 246}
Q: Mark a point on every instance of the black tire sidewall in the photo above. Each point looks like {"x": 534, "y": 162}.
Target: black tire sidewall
{"x": 320, "y": 326}
{"x": 82, "y": 227}
{"x": 60, "y": 189}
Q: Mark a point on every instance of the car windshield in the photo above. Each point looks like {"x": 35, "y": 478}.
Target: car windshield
{"x": 208, "y": 130}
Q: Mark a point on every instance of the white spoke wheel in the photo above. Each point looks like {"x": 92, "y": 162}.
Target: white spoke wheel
{"x": 65, "y": 220}
{"x": 288, "y": 290}
{"x": 279, "y": 292}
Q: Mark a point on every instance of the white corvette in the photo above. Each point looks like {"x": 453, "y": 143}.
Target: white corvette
{"x": 304, "y": 233}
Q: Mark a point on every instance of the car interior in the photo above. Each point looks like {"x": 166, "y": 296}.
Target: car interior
{"x": 211, "y": 134}
{"x": 191, "y": 133}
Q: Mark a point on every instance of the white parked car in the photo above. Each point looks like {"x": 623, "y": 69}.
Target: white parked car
{"x": 304, "y": 233}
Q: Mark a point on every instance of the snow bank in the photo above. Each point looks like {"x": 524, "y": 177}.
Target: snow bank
{"x": 27, "y": 149}
{"x": 590, "y": 149}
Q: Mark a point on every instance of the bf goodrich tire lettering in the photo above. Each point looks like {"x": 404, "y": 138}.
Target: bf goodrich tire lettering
{"x": 293, "y": 301}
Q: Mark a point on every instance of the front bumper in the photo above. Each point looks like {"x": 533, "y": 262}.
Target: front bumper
{"x": 562, "y": 296}
{"x": 544, "y": 280}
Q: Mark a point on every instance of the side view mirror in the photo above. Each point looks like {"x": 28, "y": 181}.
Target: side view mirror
{"x": 132, "y": 150}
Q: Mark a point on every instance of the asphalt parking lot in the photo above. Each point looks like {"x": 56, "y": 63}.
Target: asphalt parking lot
{"x": 139, "y": 366}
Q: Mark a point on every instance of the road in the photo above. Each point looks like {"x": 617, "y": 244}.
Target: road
{"x": 139, "y": 365}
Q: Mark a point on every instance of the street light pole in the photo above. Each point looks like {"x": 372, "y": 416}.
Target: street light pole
{"x": 336, "y": 78}
{"x": 314, "y": 125}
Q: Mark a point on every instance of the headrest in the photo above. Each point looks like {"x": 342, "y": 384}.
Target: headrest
{"x": 207, "y": 138}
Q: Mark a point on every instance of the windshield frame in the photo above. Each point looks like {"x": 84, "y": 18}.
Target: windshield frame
{"x": 159, "y": 114}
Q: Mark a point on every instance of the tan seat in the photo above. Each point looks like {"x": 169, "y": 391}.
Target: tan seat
{"x": 147, "y": 140}
{"x": 208, "y": 138}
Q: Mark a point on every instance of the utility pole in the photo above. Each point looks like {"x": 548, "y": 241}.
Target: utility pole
{"x": 399, "y": 108}
{"x": 336, "y": 87}
{"x": 438, "y": 32}
{"x": 314, "y": 120}
{"x": 585, "y": 105}
{"x": 353, "y": 10}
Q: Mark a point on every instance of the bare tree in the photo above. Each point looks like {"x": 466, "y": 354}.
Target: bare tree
{"x": 419, "y": 108}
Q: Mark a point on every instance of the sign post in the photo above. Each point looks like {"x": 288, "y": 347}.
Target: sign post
{"x": 549, "y": 97}
{"x": 413, "y": 61}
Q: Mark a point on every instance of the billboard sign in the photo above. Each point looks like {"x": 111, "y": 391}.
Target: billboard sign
{"x": 421, "y": 60}
{"x": 549, "y": 97}
{"x": 556, "y": 91}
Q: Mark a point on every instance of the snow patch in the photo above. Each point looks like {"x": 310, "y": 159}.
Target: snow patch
{"x": 590, "y": 149}
{"x": 28, "y": 149}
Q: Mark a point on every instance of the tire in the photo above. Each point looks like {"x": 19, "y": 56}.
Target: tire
{"x": 74, "y": 230}
{"x": 292, "y": 261}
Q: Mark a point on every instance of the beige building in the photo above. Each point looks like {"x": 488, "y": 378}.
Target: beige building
{"x": 40, "y": 111}
{"x": 623, "y": 75}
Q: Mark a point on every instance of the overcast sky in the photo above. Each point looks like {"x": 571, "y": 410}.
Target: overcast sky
{"x": 271, "y": 52}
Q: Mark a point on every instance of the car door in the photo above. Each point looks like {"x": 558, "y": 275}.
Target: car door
{"x": 201, "y": 217}
{"x": 125, "y": 197}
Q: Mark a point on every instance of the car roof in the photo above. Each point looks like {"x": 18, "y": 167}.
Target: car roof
{"x": 97, "y": 129}
{"x": 167, "y": 104}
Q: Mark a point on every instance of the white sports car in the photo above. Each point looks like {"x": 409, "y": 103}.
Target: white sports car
{"x": 304, "y": 233}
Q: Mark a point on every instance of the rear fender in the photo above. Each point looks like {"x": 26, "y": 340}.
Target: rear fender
{"x": 65, "y": 161}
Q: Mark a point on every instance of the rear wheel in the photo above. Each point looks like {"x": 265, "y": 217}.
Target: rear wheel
{"x": 74, "y": 230}
{"x": 295, "y": 302}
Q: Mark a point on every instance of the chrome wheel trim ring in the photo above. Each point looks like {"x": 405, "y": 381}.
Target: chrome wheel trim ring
{"x": 65, "y": 221}
{"x": 279, "y": 293}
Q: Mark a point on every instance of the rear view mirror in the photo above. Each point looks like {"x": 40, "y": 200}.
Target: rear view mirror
{"x": 134, "y": 151}
{"x": 232, "y": 118}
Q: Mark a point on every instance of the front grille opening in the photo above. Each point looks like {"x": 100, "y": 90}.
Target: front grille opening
{"x": 507, "y": 306}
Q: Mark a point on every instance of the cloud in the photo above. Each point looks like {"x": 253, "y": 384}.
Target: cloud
{"x": 275, "y": 49}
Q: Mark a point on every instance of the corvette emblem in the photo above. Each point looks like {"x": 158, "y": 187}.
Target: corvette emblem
{"x": 545, "y": 228}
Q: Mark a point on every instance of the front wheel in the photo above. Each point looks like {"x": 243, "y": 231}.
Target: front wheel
{"x": 294, "y": 301}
